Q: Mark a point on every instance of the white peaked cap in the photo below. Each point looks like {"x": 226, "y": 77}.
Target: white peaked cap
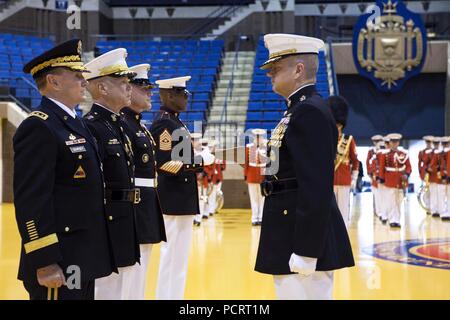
{"x": 377, "y": 137}
{"x": 281, "y": 45}
{"x": 141, "y": 71}
{"x": 110, "y": 63}
{"x": 394, "y": 136}
{"x": 179, "y": 82}
{"x": 258, "y": 132}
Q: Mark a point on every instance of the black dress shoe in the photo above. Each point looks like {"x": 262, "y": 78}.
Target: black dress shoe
{"x": 428, "y": 212}
{"x": 395, "y": 225}
{"x": 211, "y": 214}
{"x": 445, "y": 218}
{"x": 196, "y": 223}
{"x": 254, "y": 223}
{"x": 259, "y": 223}
{"x": 204, "y": 217}
{"x": 383, "y": 221}
{"x": 435, "y": 215}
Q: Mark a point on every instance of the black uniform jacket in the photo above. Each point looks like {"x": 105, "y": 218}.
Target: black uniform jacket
{"x": 59, "y": 195}
{"x": 177, "y": 182}
{"x": 149, "y": 219}
{"x": 304, "y": 220}
{"x": 115, "y": 152}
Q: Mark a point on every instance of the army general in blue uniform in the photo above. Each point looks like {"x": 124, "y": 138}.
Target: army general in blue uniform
{"x": 58, "y": 186}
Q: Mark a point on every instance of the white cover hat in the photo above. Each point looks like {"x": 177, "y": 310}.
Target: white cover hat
{"x": 281, "y": 45}
{"x": 141, "y": 77}
{"x": 111, "y": 63}
{"x": 179, "y": 82}
{"x": 394, "y": 136}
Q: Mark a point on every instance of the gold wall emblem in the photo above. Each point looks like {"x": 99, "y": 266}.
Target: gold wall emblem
{"x": 386, "y": 48}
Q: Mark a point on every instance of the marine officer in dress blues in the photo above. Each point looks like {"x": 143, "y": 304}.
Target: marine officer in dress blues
{"x": 303, "y": 236}
{"x": 149, "y": 219}
{"x": 177, "y": 185}
{"x": 110, "y": 88}
{"x": 58, "y": 185}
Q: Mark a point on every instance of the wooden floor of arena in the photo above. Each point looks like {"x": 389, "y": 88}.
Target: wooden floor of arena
{"x": 410, "y": 263}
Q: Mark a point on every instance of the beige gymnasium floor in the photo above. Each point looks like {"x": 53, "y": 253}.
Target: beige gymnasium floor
{"x": 224, "y": 249}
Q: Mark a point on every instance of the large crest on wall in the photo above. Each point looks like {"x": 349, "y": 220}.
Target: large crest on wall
{"x": 390, "y": 47}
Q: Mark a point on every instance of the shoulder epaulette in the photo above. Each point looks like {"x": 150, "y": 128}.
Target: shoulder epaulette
{"x": 39, "y": 114}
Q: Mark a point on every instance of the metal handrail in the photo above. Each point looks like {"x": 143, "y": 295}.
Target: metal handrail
{"x": 231, "y": 81}
{"x": 333, "y": 72}
{"x": 17, "y": 101}
{"x": 31, "y": 84}
{"x": 197, "y": 30}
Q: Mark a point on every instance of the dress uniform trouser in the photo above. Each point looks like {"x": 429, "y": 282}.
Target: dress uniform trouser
{"x": 318, "y": 286}
{"x": 201, "y": 203}
{"x": 135, "y": 280}
{"x": 37, "y": 292}
{"x": 115, "y": 286}
{"x": 447, "y": 211}
{"x": 395, "y": 199}
{"x": 442, "y": 193}
{"x": 174, "y": 257}
{"x": 342, "y": 194}
{"x": 384, "y": 204}
{"x": 212, "y": 203}
{"x": 434, "y": 197}
{"x": 376, "y": 201}
{"x": 256, "y": 201}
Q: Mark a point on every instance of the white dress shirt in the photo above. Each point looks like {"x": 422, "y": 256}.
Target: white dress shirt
{"x": 71, "y": 112}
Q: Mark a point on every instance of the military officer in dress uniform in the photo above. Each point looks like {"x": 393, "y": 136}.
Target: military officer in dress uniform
{"x": 196, "y": 138}
{"x": 216, "y": 177}
{"x": 58, "y": 185}
{"x": 395, "y": 169}
{"x": 382, "y": 191}
{"x": 177, "y": 186}
{"x": 372, "y": 169}
{"x": 149, "y": 219}
{"x": 255, "y": 154}
{"x": 346, "y": 164}
{"x": 446, "y": 215}
{"x": 424, "y": 160}
{"x": 110, "y": 88}
{"x": 303, "y": 236}
{"x": 434, "y": 169}
{"x": 442, "y": 174}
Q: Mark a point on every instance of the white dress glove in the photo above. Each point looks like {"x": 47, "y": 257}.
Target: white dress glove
{"x": 304, "y": 266}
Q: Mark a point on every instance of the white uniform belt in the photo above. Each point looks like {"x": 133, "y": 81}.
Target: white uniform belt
{"x": 256, "y": 165}
{"x": 145, "y": 182}
{"x": 402, "y": 168}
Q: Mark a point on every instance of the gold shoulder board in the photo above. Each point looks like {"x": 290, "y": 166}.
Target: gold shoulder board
{"x": 39, "y": 114}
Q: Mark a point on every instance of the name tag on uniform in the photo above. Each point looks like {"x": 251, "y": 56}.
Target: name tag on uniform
{"x": 77, "y": 141}
{"x": 113, "y": 141}
{"x": 77, "y": 149}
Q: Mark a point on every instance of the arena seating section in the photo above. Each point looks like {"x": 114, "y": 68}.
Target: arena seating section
{"x": 199, "y": 59}
{"x": 265, "y": 108}
{"x": 15, "y": 51}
